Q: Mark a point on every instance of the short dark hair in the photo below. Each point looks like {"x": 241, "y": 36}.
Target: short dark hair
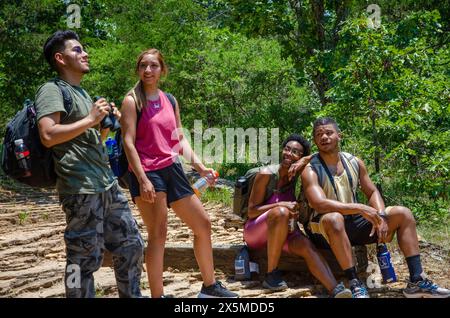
{"x": 322, "y": 121}
{"x": 301, "y": 140}
{"x": 57, "y": 43}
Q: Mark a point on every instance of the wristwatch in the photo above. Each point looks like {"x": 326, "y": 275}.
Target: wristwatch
{"x": 383, "y": 214}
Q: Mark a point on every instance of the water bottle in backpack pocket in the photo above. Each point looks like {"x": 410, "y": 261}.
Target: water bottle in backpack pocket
{"x": 113, "y": 154}
{"x": 33, "y": 166}
{"x": 23, "y": 157}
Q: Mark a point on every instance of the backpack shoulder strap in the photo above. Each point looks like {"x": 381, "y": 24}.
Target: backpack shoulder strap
{"x": 172, "y": 100}
{"x": 138, "y": 112}
{"x": 250, "y": 175}
{"x": 275, "y": 178}
{"x": 273, "y": 182}
{"x": 67, "y": 99}
{"x": 353, "y": 162}
{"x": 316, "y": 165}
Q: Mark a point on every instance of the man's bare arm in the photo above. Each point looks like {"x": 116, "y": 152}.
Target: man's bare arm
{"x": 319, "y": 202}
{"x": 369, "y": 189}
{"x": 53, "y": 133}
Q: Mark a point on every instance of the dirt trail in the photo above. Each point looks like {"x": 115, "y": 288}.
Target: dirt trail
{"x": 32, "y": 256}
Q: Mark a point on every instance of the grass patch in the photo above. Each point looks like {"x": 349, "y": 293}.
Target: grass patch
{"x": 99, "y": 291}
{"x": 218, "y": 195}
{"x": 438, "y": 234}
{"x": 8, "y": 183}
{"x": 23, "y": 216}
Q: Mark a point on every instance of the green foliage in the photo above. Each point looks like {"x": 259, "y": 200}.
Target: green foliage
{"x": 437, "y": 233}
{"x": 100, "y": 291}
{"x": 392, "y": 97}
{"x": 23, "y": 216}
{"x": 243, "y": 82}
{"x": 271, "y": 64}
{"x": 218, "y": 195}
{"x": 24, "y": 28}
{"x": 111, "y": 75}
{"x": 22, "y": 66}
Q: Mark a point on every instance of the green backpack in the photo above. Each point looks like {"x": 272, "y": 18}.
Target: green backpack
{"x": 244, "y": 185}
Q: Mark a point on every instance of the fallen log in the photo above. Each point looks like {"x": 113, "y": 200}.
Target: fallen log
{"x": 181, "y": 257}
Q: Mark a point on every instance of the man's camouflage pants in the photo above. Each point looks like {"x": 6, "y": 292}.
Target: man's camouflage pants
{"x": 96, "y": 222}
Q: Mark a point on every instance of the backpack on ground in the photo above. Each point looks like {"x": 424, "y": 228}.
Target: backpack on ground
{"x": 124, "y": 174}
{"x": 25, "y": 126}
{"x": 244, "y": 185}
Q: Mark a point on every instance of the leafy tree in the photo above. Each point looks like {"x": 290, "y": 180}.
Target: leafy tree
{"x": 309, "y": 30}
{"x": 392, "y": 99}
{"x": 270, "y": 63}
{"x": 24, "y": 28}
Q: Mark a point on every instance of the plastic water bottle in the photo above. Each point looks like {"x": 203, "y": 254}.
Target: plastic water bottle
{"x": 113, "y": 154}
{"x": 201, "y": 184}
{"x": 23, "y": 157}
{"x": 384, "y": 260}
{"x": 242, "y": 265}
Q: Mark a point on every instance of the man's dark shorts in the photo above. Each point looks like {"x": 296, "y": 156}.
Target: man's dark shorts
{"x": 356, "y": 227}
{"x": 171, "y": 180}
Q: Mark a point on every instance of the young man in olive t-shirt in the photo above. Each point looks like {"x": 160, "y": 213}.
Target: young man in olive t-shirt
{"x": 97, "y": 212}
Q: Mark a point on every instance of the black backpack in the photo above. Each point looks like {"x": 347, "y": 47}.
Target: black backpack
{"x": 124, "y": 174}
{"x": 24, "y": 126}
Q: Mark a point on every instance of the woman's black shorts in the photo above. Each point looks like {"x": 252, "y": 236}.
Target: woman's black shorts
{"x": 171, "y": 180}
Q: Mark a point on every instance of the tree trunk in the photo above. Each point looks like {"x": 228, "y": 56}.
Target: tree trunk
{"x": 376, "y": 143}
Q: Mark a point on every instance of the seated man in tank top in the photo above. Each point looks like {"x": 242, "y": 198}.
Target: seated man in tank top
{"x": 338, "y": 222}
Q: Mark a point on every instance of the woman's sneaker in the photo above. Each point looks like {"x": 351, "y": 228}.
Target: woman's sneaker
{"x": 216, "y": 290}
{"x": 341, "y": 292}
{"x": 274, "y": 281}
{"x": 425, "y": 289}
{"x": 358, "y": 289}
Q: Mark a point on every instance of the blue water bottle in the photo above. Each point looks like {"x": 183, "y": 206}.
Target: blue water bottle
{"x": 384, "y": 260}
{"x": 113, "y": 154}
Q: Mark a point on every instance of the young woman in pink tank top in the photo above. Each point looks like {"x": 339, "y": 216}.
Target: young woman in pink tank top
{"x": 267, "y": 223}
{"x": 152, "y": 145}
